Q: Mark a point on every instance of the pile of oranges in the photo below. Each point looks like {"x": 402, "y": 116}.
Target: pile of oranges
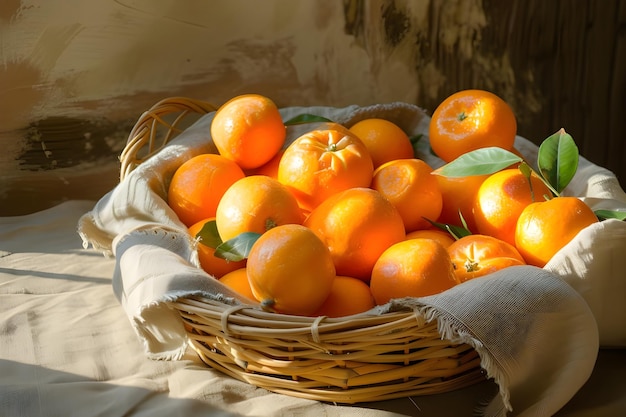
{"x": 345, "y": 218}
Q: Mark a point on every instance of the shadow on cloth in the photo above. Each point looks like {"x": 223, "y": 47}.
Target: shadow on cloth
{"x": 32, "y": 391}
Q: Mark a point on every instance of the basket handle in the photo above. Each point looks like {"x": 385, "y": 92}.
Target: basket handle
{"x": 152, "y": 131}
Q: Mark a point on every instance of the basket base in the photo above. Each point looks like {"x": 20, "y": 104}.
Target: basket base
{"x": 312, "y": 390}
{"x": 344, "y": 360}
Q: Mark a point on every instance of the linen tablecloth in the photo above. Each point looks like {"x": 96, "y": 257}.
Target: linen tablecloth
{"x": 68, "y": 349}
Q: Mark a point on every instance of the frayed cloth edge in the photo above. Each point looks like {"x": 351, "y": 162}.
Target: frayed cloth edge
{"x": 103, "y": 246}
{"x": 449, "y": 330}
{"x": 138, "y": 322}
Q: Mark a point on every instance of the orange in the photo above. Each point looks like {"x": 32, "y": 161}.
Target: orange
{"x": 501, "y": 199}
{"x": 249, "y": 130}
{"x": 546, "y": 227}
{"x": 290, "y": 270}
{"x": 412, "y": 268}
{"x": 410, "y": 187}
{"x": 468, "y": 120}
{"x": 347, "y": 296}
{"x": 270, "y": 168}
{"x": 457, "y": 195}
{"x": 323, "y": 162}
{"x": 198, "y": 185}
{"x": 206, "y": 255}
{"x": 237, "y": 280}
{"x": 444, "y": 238}
{"x": 475, "y": 256}
{"x": 384, "y": 139}
{"x": 357, "y": 225}
{"x": 255, "y": 204}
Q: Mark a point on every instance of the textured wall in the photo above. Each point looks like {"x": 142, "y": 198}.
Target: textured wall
{"x": 75, "y": 75}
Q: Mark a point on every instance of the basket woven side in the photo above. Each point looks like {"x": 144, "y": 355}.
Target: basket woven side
{"x": 349, "y": 360}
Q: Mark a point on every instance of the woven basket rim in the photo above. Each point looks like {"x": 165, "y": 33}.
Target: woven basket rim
{"x": 143, "y": 135}
{"x": 241, "y": 318}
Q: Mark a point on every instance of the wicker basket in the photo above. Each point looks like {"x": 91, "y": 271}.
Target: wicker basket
{"x": 354, "y": 359}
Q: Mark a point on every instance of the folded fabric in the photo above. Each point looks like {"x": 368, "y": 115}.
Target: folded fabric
{"x": 534, "y": 329}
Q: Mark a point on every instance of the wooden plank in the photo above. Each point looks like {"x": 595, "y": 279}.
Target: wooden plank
{"x": 616, "y": 137}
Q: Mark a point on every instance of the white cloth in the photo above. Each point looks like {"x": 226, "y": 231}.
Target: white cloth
{"x": 536, "y": 335}
{"x": 68, "y": 349}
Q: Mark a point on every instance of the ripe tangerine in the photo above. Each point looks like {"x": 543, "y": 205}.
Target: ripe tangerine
{"x": 412, "y": 268}
{"x": 323, "y": 162}
{"x": 468, "y": 120}
{"x": 347, "y": 296}
{"x": 357, "y": 225}
{"x": 198, "y": 185}
{"x": 384, "y": 140}
{"x": 546, "y": 227}
{"x": 256, "y": 204}
{"x": 411, "y": 188}
{"x": 237, "y": 280}
{"x": 290, "y": 270}
{"x": 249, "y": 130}
{"x": 501, "y": 199}
{"x": 444, "y": 238}
{"x": 475, "y": 256}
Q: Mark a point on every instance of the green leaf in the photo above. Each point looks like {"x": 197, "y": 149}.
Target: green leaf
{"x": 306, "y": 118}
{"x": 237, "y": 248}
{"x": 558, "y": 159}
{"x": 463, "y": 222}
{"x": 208, "y": 235}
{"x": 479, "y": 162}
{"x": 610, "y": 214}
{"x": 456, "y": 231}
{"x": 528, "y": 172}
